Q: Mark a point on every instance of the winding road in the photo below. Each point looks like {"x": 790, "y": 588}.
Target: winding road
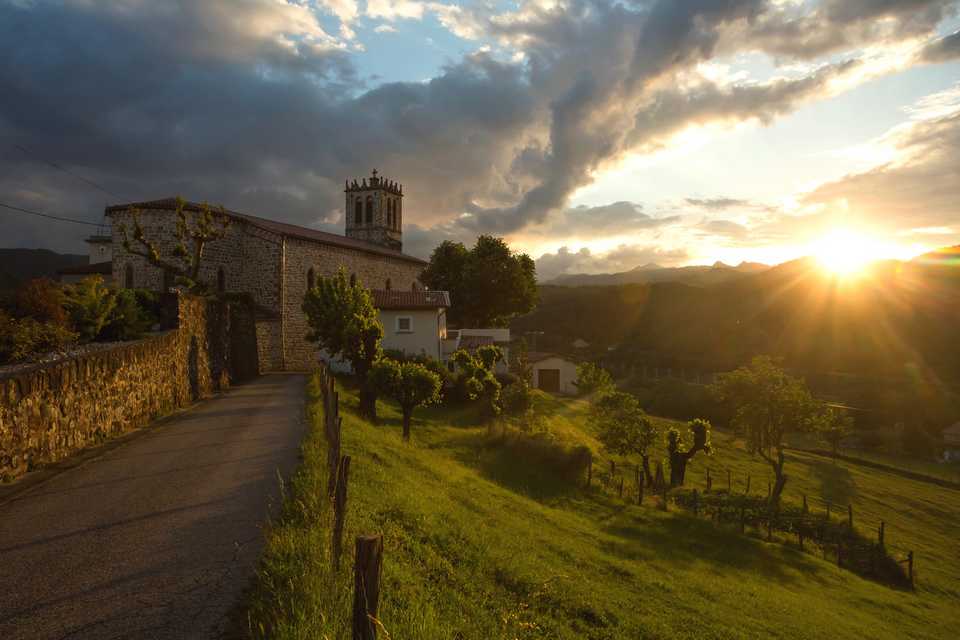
{"x": 158, "y": 537}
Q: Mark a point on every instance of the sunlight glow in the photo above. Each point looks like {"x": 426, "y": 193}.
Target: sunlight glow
{"x": 845, "y": 253}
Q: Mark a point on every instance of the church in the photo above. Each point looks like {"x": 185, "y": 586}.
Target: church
{"x": 276, "y": 263}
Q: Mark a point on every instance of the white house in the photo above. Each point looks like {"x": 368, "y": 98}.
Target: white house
{"x": 951, "y": 442}
{"x": 414, "y": 322}
{"x": 553, "y": 373}
{"x": 472, "y": 339}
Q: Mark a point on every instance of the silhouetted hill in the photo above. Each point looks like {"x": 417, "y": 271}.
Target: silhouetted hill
{"x": 18, "y": 265}
{"x": 700, "y": 275}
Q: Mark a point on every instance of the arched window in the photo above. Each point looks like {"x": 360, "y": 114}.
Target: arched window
{"x": 311, "y": 278}
{"x": 128, "y": 277}
{"x": 358, "y": 212}
{"x": 353, "y": 279}
{"x": 392, "y": 211}
{"x": 221, "y": 280}
{"x": 369, "y": 210}
{"x": 387, "y": 286}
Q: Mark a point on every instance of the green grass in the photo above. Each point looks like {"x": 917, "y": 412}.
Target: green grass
{"x": 481, "y": 544}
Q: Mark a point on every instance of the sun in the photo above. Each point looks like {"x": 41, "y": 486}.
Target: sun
{"x": 843, "y": 252}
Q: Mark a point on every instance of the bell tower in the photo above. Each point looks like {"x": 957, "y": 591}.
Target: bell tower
{"x": 374, "y": 211}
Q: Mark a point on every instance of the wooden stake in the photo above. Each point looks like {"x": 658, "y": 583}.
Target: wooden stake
{"x": 805, "y": 509}
{"x": 366, "y": 586}
{"x": 340, "y": 509}
{"x": 709, "y": 480}
{"x": 729, "y": 486}
{"x": 747, "y": 492}
{"x": 620, "y": 489}
{"x": 880, "y": 534}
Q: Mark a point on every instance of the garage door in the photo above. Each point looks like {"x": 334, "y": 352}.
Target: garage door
{"x": 548, "y": 380}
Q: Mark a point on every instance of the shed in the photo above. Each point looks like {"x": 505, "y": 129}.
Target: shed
{"x": 553, "y": 373}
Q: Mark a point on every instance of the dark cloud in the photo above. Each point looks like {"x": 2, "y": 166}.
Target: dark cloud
{"x": 616, "y": 218}
{"x": 254, "y": 106}
{"x": 942, "y": 50}
{"x": 623, "y": 258}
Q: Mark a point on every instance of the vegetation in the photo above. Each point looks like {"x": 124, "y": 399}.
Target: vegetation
{"x": 90, "y": 305}
{"x": 411, "y": 384}
{"x": 344, "y": 323}
{"x": 477, "y": 379}
{"x": 21, "y": 338}
{"x": 833, "y": 426}
{"x": 623, "y": 427}
{"x": 592, "y": 378}
{"x": 483, "y": 541}
{"x": 129, "y": 319}
{"x": 767, "y": 403}
{"x": 41, "y": 299}
{"x": 488, "y": 284}
{"x": 681, "y": 454}
{"x": 194, "y": 230}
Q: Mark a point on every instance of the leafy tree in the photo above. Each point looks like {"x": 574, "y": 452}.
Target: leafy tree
{"x": 25, "y": 337}
{"x": 344, "y": 323}
{"x": 90, "y": 304}
{"x": 128, "y": 320}
{"x": 832, "y": 426}
{"x": 411, "y": 384}
{"x": 478, "y": 379}
{"x": 488, "y": 284}
{"x": 767, "y": 403}
{"x": 194, "y": 230}
{"x": 591, "y": 377}
{"x": 680, "y": 454}
{"x": 624, "y": 428}
{"x": 42, "y": 300}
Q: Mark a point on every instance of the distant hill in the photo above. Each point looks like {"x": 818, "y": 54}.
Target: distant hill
{"x": 698, "y": 276}
{"x": 18, "y": 265}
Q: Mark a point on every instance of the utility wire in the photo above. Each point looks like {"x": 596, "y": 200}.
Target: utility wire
{"x": 47, "y": 215}
{"x": 68, "y": 172}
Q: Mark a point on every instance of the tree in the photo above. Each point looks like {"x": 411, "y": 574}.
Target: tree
{"x": 832, "y": 426}
{"x": 478, "y": 379}
{"x": 344, "y": 323}
{"x": 591, "y": 377}
{"x": 25, "y": 337}
{"x": 624, "y": 428}
{"x": 411, "y": 384}
{"x": 488, "y": 284}
{"x": 767, "y": 403}
{"x": 89, "y": 303}
{"x": 193, "y": 231}
{"x": 680, "y": 454}
{"x": 128, "y": 320}
{"x": 42, "y": 300}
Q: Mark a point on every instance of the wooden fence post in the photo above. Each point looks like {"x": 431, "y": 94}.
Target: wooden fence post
{"x": 729, "y": 486}
{"x": 747, "y": 492}
{"x": 709, "y": 480}
{"x": 613, "y": 468}
{"x": 366, "y": 586}
{"x": 850, "y": 516}
{"x": 880, "y": 534}
{"x": 620, "y": 489}
{"x": 340, "y": 509}
{"x": 805, "y": 508}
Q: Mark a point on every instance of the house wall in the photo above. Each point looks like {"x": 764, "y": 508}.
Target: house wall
{"x": 568, "y": 373}
{"x": 428, "y": 327}
{"x": 372, "y": 270}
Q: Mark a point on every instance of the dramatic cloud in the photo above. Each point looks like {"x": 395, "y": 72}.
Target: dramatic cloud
{"x": 942, "y": 50}
{"x": 623, "y": 258}
{"x": 255, "y": 105}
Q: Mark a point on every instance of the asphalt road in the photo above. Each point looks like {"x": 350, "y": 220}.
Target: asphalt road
{"x": 158, "y": 537}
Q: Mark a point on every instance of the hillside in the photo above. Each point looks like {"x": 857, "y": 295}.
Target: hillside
{"x": 18, "y": 265}
{"x": 698, "y": 275}
{"x": 482, "y": 541}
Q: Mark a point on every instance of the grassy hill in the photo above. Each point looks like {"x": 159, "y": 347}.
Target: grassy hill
{"x": 482, "y": 541}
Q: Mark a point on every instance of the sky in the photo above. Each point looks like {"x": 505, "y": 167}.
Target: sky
{"x": 596, "y": 136}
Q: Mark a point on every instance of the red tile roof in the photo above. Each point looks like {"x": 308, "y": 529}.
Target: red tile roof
{"x": 420, "y": 299}
{"x": 281, "y": 228}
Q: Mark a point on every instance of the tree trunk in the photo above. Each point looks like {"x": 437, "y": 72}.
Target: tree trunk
{"x": 781, "y": 478}
{"x": 678, "y": 468}
{"x": 648, "y": 477}
{"x": 407, "y": 418}
{"x": 368, "y": 399}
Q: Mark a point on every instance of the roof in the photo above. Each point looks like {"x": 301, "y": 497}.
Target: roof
{"x": 281, "y": 228}
{"x": 100, "y": 239}
{"x": 420, "y": 299}
{"x": 475, "y": 342}
{"x": 97, "y": 268}
{"x": 537, "y": 356}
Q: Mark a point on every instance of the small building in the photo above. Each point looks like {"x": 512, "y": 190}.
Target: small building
{"x": 951, "y": 442}
{"x": 414, "y": 322}
{"x": 473, "y": 339}
{"x": 553, "y": 373}
{"x": 99, "y": 263}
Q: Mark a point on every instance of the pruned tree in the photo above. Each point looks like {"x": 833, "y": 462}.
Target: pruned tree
{"x": 344, "y": 323}
{"x": 681, "y": 454}
{"x": 194, "y": 230}
{"x": 411, "y": 384}
{"x": 767, "y": 403}
{"x": 623, "y": 428}
{"x": 592, "y": 377}
{"x": 478, "y": 379}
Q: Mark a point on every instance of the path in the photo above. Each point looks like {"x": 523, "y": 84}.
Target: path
{"x": 158, "y": 537}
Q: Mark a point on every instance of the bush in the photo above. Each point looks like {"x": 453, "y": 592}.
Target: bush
{"x": 591, "y": 377}
{"x": 89, "y": 304}
{"x": 506, "y": 379}
{"x": 517, "y": 399}
{"x": 42, "y": 300}
{"x": 128, "y": 320}
{"x": 542, "y": 450}
{"x": 25, "y": 337}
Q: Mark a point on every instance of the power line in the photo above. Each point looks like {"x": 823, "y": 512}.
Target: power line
{"x": 70, "y": 173}
{"x": 47, "y": 215}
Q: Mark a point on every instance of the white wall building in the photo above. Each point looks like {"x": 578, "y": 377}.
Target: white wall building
{"x": 414, "y": 322}
{"x": 553, "y": 373}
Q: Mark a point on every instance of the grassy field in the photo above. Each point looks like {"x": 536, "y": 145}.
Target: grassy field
{"x": 482, "y": 542}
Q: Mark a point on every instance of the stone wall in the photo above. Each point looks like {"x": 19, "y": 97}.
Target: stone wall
{"x": 54, "y": 410}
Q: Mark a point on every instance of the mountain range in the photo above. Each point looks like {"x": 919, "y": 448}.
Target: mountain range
{"x": 697, "y": 276}
{"x": 19, "y": 265}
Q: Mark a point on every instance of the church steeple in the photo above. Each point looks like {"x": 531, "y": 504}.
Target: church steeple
{"x": 374, "y": 211}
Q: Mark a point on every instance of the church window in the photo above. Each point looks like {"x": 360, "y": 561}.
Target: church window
{"x": 221, "y": 280}
{"x": 358, "y": 212}
{"x": 369, "y": 210}
{"x": 387, "y": 285}
{"x": 311, "y": 278}
{"x": 128, "y": 277}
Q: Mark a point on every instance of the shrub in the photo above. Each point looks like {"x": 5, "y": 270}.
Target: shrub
{"x": 25, "y": 337}
{"x": 90, "y": 305}
{"x": 42, "y": 300}
{"x": 128, "y": 320}
{"x": 517, "y": 398}
{"x": 506, "y": 379}
{"x": 591, "y": 377}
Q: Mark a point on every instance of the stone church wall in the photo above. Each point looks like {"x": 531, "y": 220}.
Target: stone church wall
{"x": 52, "y": 411}
{"x": 372, "y": 270}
